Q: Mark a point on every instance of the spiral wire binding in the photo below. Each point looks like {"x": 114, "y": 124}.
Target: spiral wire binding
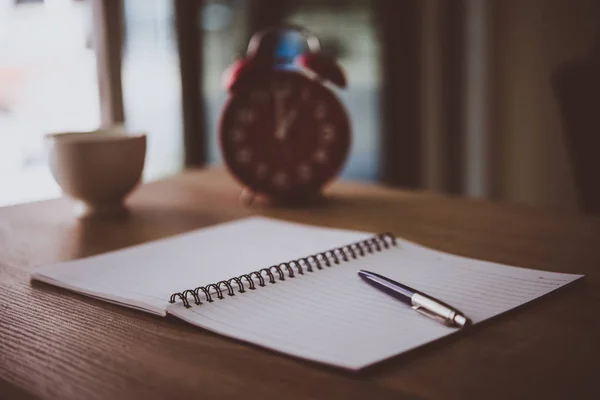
{"x": 293, "y": 268}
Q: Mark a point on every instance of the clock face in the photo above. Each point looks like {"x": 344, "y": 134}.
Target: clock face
{"x": 284, "y": 135}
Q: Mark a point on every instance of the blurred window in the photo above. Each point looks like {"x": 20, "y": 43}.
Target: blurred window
{"x": 346, "y": 32}
{"x": 224, "y": 25}
{"x": 48, "y": 83}
{"x": 48, "y": 79}
{"x": 151, "y": 83}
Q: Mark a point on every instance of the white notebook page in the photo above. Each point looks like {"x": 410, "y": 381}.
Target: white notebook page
{"x": 145, "y": 276}
{"x": 333, "y": 317}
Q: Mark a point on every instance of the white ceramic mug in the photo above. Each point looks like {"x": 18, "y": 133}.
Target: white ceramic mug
{"x": 98, "y": 169}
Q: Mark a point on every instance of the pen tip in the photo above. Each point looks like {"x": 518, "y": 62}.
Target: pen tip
{"x": 461, "y": 321}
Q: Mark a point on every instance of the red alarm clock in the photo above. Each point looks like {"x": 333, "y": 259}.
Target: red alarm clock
{"x": 283, "y": 132}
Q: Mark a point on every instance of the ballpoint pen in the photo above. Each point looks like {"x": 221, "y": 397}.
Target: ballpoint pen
{"x": 419, "y": 302}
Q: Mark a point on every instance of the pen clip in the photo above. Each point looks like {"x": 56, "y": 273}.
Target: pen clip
{"x": 431, "y": 314}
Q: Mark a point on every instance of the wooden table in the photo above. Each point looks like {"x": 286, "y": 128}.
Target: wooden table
{"x": 57, "y": 344}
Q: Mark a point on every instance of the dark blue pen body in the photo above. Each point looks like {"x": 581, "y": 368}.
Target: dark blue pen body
{"x": 395, "y": 289}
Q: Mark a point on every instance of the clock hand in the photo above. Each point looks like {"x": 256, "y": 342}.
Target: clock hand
{"x": 278, "y": 100}
{"x": 282, "y": 129}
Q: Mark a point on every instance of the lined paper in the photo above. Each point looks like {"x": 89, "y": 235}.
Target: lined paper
{"x": 329, "y": 316}
{"x": 145, "y": 276}
{"x": 333, "y": 317}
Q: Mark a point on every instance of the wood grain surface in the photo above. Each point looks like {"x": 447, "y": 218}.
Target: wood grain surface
{"x": 57, "y": 344}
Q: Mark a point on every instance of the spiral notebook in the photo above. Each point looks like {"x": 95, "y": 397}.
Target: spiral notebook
{"x": 293, "y": 288}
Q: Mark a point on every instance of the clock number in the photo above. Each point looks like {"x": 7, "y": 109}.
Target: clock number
{"x": 320, "y": 156}
{"x": 305, "y": 94}
{"x": 237, "y": 135}
{"x": 304, "y": 171}
{"x": 328, "y": 133}
{"x": 243, "y": 155}
{"x": 280, "y": 179}
{"x": 246, "y": 116}
{"x": 320, "y": 111}
{"x": 261, "y": 170}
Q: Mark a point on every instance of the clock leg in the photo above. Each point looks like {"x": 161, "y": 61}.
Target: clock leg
{"x": 247, "y": 197}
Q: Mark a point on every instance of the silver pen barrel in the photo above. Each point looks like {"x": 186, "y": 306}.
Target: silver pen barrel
{"x": 439, "y": 311}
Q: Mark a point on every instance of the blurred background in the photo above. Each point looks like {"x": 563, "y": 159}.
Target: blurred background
{"x": 495, "y": 99}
